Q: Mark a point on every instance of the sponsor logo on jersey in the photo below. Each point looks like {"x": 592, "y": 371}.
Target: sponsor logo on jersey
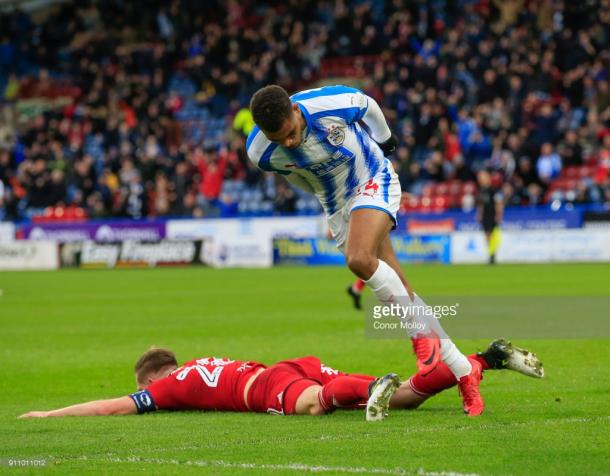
{"x": 322, "y": 168}
{"x": 369, "y": 189}
{"x": 336, "y": 136}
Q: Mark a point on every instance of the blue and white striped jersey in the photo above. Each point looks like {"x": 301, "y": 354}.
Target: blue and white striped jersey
{"x": 339, "y": 150}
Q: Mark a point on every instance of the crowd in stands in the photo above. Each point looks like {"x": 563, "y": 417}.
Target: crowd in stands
{"x": 139, "y": 109}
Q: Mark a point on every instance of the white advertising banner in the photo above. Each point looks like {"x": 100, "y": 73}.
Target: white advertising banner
{"x": 527, "y": 246}
{"x": 581, "y": 245}
{"x": 7, "y": 232}
{"x": 468, "y": 247}
{"x": 294, "y": 227}
{"x": 22, "y": 255}
{"x": 246, "y": 242}
{"x": 247, "y": 252}
{"x": 534, "y": 246}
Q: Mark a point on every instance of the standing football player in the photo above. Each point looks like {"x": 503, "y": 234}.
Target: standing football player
{"x": 490, "y": 209}
{"x": 333, "y": 142}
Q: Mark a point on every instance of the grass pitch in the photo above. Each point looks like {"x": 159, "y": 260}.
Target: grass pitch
{"x": 71, "y": 336}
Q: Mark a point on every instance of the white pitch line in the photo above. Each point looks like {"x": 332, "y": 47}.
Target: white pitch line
{"x": 318, "y": 468}
{"x": 300, "y": 467}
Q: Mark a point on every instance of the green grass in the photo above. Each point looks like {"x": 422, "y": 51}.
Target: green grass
{"x": 71, "y": 336}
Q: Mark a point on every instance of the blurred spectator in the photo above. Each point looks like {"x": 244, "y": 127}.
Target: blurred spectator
{"x": 285, "y": 200}
{"x": 570, "y": 150}
{"x": 549, "y": 163}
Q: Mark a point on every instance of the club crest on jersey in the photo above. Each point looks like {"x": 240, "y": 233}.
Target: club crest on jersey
{"x": 336, "y": 136}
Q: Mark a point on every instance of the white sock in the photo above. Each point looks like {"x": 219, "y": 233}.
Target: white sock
{"x": 386, "y": 284}
{"x": 457, "y": 362}
{"x": 388, "y": 288}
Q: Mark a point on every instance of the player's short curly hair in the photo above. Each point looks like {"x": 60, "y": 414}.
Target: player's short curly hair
{"x": 270, "y": 107}
{"x": 152, "y": 361}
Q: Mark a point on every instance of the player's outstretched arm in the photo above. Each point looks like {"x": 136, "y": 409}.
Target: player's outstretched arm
{"x": 113, "y": 406}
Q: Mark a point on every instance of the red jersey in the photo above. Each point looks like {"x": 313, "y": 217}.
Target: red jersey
{"x": 201, "y": 384}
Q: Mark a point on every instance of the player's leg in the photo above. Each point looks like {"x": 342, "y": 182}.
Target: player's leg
{"x": 386, "y": 253}
{"x": 317, "y": 389}
{"x": 367, "y": 240}
{"x": 371, "y": 218}
{"x": 425, "y": 337}
{"x": 422, "y": 386}
{"x": 493, "y": 244}
{"x": 430, "y": 349}
{"x": 500, "y": 354}
{"x": 367, "y": 229}
{"x": 306, "y": 401}
{"x": 306, "y": 397}
{"x": 380, "y": 390}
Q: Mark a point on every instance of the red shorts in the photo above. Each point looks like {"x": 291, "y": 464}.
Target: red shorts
{"x": 277, "y": 388}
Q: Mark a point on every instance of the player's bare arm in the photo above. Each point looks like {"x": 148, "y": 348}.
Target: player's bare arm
{"x": 112, "y": 406}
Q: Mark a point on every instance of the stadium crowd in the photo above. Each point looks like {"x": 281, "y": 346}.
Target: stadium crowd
{"x": 137, "y": 109}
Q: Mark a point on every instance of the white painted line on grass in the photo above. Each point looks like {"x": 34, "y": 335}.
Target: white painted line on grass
{"x": 275, "y": 467}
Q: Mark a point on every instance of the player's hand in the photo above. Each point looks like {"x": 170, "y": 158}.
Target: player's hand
{"x": 35, "y": 415}
{"x": 388, "y": 147}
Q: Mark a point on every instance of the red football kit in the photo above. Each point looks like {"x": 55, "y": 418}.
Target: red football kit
{"x": 218, "y": 384}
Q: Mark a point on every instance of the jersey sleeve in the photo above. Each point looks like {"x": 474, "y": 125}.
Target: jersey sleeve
{"x": 260, "y": 149}
{"x": 375, "y": 122}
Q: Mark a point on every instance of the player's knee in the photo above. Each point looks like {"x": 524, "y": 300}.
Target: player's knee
{"x": 361, "y": 263}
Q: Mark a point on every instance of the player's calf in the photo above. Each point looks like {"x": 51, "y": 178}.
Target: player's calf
{"x": 308, "y": 402}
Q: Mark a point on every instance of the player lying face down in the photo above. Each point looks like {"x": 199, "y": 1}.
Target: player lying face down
{"x": 302, "y": 386}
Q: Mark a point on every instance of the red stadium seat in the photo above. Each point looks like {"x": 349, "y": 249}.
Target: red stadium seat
{"x": 440, "y": 204}
{"x": 570, "y": 172}
{"x": 455, "y": 187}
{"x": 442, "y": 189}
{"x": 469, "y": 188}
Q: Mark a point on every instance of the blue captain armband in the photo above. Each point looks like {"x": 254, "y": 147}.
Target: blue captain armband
{"x": 144, "y": 401}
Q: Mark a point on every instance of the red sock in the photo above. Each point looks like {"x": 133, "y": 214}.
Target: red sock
{"x": 441, "y": 378}
{"x": 358, "y": 285}
{"x": 434, "y": 382}
{"x": 480, "y": 360}
{"x": 345, "y": 391}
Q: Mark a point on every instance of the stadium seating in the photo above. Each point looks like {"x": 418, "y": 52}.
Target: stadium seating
{"x": 129, "y": 118}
